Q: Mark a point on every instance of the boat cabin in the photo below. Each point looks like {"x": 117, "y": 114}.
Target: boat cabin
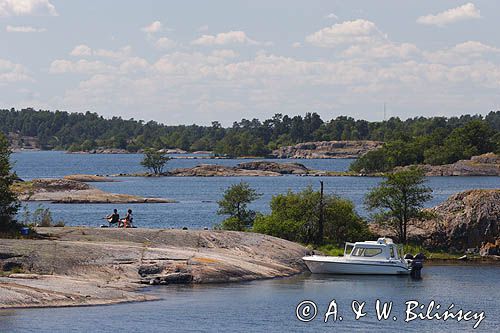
{"x": 383, "y": 248}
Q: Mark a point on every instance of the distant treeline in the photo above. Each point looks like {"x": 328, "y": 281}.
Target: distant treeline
{"x": 434, "y": 140}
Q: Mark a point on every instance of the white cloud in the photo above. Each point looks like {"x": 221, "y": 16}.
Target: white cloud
{"x": 332, "y": 16}
{"x": 382, "y": 50}
{"x": 12, "y": 72}
{"x": 153, "y": 27}
{"x": 27, "y": 8}
{"x": 81, "y": 50}
{"x": 463, "y": 53}
{"x": 218, "y": 84}
{"x": 224, "y": 38}
{"x": 81, "y": 66}
{"x": 20, "y": 28}
{"x": 121, "y": 53}
{"x": 465, "y": 12}
{"x": 134, "y": 65}
{"x": 349, "y": 32}
{"x": 361, "y": 40}
{"x": 296, "y": 45}
{"x": 225, "y": 53}
{"x": 165, "y": 43}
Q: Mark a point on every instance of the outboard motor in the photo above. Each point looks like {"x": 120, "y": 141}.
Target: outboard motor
{"x": 416, "y": 264}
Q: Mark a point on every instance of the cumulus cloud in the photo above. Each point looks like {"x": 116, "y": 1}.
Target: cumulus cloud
{"x": 27, "y": 8}
{"x": 224, "y": 38}
{"x": 332, "y": 16}
{"x": 225, "y": 53}
{"x": 81, "y": 66}
{"x": 83, "y": 50}
{"x": 462, "y": 53}
{"x": 349, "y": 32}
{"x": 296, "y": 45}
{"x": 214, "y": 83}
{"x": 119, "y": 54}
{"x": 466, "y": 12}
{"x": 153, "y": 27}
{"x": 165, "y": 43}
{"x": 380, "y": 51}
{"x": 12, "y": 72}
{"x": 134, "y": 65}
{"x": 21, "y": 28}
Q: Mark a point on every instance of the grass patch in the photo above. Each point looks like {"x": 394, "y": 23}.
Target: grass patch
{"x": 331, "y": 250}
{"x": 22, "y": 187}
{"x": 414, "y": 249}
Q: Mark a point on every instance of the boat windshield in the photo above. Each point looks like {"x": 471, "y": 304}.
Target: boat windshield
{"x": 348, "y": 248}
{"x": 366, "y": 252}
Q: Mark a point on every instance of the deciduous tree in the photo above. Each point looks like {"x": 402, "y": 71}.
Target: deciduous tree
{"x": 398, "y": 199}
{"x": 235, "y": 204}
{"x": 154, "y": 160}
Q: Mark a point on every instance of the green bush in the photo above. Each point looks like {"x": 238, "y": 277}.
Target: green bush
{"x": 296, "y": 216}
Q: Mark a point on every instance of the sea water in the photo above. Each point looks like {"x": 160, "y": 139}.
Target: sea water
{"x": 197, "y": 197}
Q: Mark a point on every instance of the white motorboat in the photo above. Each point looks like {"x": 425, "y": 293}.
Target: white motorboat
{"x": 369, "y": 257}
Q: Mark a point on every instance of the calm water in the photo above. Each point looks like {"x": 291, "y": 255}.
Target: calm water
{"x": 269, "y": 306}
{"x": 197, "y": 196}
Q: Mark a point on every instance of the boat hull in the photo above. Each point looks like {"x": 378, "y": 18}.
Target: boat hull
{"x": 342, "y": 267}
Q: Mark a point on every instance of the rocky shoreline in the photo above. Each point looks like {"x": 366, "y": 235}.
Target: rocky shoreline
{"x": 72, "y": 191}
{"x": 482, "y": 165}
{"x": 468, "y": 221}
{"x": 74, "y": 266}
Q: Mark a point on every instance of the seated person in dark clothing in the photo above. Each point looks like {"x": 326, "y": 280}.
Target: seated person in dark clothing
{"x": 113, "y": 218}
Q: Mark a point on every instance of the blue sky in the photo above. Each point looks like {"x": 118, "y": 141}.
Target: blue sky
{"x": 182, "y": 62}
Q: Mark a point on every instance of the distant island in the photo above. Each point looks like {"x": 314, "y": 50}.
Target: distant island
{"x": 379, "y": 146}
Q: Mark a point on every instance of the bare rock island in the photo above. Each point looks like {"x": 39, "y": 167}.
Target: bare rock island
{"x": 71, "y": 191}
{"x": 89, "y": 178}
{"x": 281, "y": 168}
{"x": 214, "y": 170}
{"x": 327, "y": 149}
{"x": 84, "y": 266}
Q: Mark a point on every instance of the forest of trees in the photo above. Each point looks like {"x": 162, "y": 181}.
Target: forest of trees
{"x": 434, "y": 140}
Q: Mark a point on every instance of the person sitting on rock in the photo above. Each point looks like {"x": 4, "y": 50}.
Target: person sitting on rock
{"x": 113, "y": 218}
{"x": 128, "y": 220}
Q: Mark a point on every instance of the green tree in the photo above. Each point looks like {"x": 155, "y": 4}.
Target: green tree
{"x": 154, "y": 160}
{"x": 9, "y": 204}
{"x": 398, "y": 199}
{"x": 373, "y": 161}
{"x": 296, "y": 216}
{"x": 234, "y": 203}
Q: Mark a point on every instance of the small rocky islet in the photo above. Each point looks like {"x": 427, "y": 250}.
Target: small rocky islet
{"x": 73, "y": 191}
